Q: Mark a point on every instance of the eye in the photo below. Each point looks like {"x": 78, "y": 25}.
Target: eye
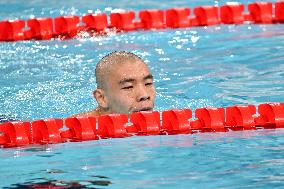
{"x": 127, "y": 87}
{"x": 149, "y": 83}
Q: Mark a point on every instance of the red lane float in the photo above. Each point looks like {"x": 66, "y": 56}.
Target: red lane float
{"x": 112, "y": 126}
{"x": 80, "y": 129}
{"x": 152, "y": 19}
{"x": 123, "y": 21}
{"x": 271, "y": 115}
{"x": 240, "y": 117}
{"x": 95, "y": 22}
{"x": 66, "y": 27}
{"x": 176, "y": 121}
{"x": 47, "y": 131}
{"x": 206, "y": 15}
{"x": 178, "y": 18}
{"x": 279, "y": 12}
{"x": 232, "y": 13}
{"x": 261, "y": 12}
{"x": 209, "y": 119}
{"x": 12, "y": 30}
{"x": 145, "y": 123}
{"x": 40, "y": 29}
{"x": 15, "y": 134}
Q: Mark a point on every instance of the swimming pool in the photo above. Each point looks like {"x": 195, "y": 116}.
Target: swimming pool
{"x": 194, "y": 67}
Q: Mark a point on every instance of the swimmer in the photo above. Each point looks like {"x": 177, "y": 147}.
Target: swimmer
{"x": 124, "y": 85}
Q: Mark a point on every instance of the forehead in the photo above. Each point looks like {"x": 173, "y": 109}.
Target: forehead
{"x": 134, "y": 69}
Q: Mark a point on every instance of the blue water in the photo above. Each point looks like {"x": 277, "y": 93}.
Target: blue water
{"x": 195, "y": 67}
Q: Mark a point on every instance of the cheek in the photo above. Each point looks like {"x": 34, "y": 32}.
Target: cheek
{"x": 152, "y": 92}
{"x": 122, "y": 99}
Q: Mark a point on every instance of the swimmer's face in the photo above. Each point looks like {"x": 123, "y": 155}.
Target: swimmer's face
{"x": 129, "y": 88}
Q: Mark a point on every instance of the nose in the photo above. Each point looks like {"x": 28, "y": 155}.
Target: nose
{"x": 142, "y": 94}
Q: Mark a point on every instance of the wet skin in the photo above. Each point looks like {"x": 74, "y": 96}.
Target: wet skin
{"x": 128, "y": 88}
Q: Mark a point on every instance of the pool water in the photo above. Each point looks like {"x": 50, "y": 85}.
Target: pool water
{"x": 195, "y": 67}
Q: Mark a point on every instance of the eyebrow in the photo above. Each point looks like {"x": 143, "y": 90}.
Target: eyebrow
{"x": 150, "y": 76}
{"x": 126, "y": 80}
{"x": 130, "y": 80}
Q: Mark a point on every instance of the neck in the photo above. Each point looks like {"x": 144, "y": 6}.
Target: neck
{"x": 103, "y": 111}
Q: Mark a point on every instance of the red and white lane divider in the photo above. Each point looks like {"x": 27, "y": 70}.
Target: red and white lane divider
{"x": 66, "y": 27}
{"x": 178, "y": 121}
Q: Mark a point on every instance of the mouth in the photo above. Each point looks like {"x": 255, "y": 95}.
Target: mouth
{"x": 143, "y": 109}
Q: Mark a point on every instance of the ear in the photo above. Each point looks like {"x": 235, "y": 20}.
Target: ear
{"x": 100, "y": 97}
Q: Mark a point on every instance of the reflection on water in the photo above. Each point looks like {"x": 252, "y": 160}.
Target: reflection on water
{"x": 156, "y": 161}
{"x": 57, "y": 184}
{"x": 6, "y": 118}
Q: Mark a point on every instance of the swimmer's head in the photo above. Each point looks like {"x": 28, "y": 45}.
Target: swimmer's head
{"x": 124, "y": 84}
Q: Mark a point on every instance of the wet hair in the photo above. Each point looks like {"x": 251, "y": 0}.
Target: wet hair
{"x": 116, "y": 57}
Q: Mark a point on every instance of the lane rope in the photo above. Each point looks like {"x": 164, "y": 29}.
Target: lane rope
{"x": 67, "y": 27}
{"x": 169, "y": 122}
